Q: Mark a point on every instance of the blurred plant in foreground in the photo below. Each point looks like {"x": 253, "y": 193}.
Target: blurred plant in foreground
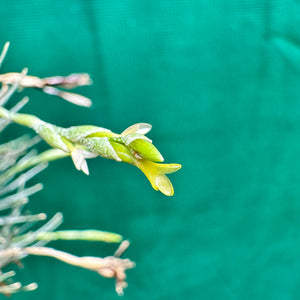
{"x": 18, "y": 165}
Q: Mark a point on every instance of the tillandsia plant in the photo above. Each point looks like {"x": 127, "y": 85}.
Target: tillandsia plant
{"x": 18, "y": 164}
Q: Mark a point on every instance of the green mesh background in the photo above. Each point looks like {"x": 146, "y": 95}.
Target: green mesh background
{"x": 219, "y": 82}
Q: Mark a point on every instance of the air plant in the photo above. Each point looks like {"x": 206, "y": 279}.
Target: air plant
{"x": 19, "y": 234}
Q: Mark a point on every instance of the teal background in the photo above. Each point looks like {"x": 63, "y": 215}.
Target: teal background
{"x": 219, "y": 82}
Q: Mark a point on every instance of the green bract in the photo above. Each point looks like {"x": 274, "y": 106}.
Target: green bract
{"x": 146, "y": 150}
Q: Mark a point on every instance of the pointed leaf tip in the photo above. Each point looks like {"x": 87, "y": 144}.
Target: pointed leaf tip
{"x": 164, "y": 185}
{"x": 141, "y": 128}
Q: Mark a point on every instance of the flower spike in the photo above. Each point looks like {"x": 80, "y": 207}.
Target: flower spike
{"x": 87, "y": 141}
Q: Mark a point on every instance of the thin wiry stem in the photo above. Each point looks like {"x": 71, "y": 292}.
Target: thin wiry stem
{"x": 23, "y": 178}
{"x": 52, "y": 224}
{"x": 3, "y": 53}
{"x": 9, "y": 201}
{"x": 13, "y": 88}
{"x": 46, "y": 156}
{"x": 16, "y": 108}
{"x": 83, "y": 235}
{"x": 21, "y": 219}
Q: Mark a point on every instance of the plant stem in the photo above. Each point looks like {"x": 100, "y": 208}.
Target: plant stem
{"x": 46, "y": 156}
{"x": 84, "y": 235}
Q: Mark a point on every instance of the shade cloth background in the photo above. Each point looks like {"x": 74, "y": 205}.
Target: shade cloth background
{"x": 219, "y": 82}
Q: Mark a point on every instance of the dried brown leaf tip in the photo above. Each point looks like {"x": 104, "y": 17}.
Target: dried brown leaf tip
{"x": 109, "y": 267}
{"x": 51, "y": 85}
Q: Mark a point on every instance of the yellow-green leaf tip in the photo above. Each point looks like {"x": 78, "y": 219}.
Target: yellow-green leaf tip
{"x": 155, "y": 173}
